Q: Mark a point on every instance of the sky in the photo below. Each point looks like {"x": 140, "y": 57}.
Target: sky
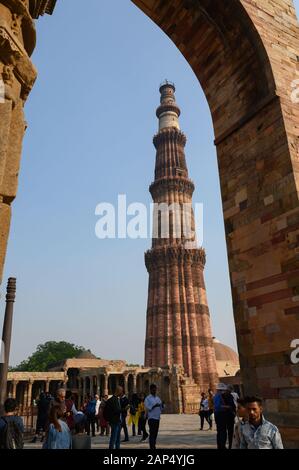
{"x": 91, "y": 119}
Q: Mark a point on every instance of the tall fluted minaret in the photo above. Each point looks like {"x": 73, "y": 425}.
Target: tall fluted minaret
{"x": 178, "y": 330}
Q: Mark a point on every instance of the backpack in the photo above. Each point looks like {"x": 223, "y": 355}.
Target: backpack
{"x": 11, "y": 437}
{"x": 91, "y": 407}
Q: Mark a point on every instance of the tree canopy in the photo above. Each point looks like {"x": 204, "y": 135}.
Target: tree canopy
{"x": 47, "y": 354}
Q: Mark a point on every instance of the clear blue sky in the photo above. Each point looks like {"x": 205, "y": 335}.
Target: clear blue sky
{"x": 91, "y": 118}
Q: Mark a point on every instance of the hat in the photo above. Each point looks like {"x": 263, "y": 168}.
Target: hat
{"x": 221, "y": 386}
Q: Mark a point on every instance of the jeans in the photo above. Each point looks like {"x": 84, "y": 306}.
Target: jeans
{"x": 205, "y": 415}
{"x": 124, "y": 425}
{"x": 225, "y": 429}
{"x": 91, "y": 423}
{"x": 115, "y": 436}
{"x": 153, "y": 429}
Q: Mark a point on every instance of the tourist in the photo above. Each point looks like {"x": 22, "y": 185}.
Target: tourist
{"x": 142, "y": 418}
{"x": 112, "y": 414}
{"x": 234, "y": 395}
{"x": 134, "y": 414}
{"x": 43, "y": 406}
{"x": 257, "y": 433}
{"x": 102, "y": 421}
{"x": 80, "y": 440}
{"x": 70, "y": 410}
{"x": 125, "y": 405}
{"x": 204, "y": 411}
{"x": 91, "y": 416}
{"x": 211, "y": 406}
{"x": 242, "y": 418}
{"x": 11, "y": 427}
{"x": 225, "y": 412}
{"x": 59, "y": 399}
{"x": 98, "y": 403}
{"x": 154, "y": 407}
{"x": 58, "y": 435}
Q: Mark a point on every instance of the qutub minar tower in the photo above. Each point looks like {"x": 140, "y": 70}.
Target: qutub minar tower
{"x": 178, "y": 329}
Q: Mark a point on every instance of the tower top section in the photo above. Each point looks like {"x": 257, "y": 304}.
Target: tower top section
{"x": 168, "y": 112}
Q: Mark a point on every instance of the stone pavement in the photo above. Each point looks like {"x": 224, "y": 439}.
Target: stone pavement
{"x": 176, "y": 432}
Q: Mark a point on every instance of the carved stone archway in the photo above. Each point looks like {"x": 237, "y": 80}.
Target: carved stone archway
{"x": 245, "y": 56}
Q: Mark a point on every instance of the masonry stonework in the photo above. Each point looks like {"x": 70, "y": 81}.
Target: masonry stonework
{"x": 178, "y": 330}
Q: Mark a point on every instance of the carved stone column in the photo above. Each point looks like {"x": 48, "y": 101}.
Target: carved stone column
{"x": 29, "y": 396}
{"x": 47, "y": 389}
{"x": 134, "y": 383}
{"x": 14, "y": 388}
{"x": 106, "y": 382}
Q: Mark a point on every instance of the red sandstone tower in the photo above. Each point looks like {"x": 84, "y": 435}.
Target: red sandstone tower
{"x": 178, "y": 330}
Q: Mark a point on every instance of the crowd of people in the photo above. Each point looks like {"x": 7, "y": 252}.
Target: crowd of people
{"x": 60, "y": 425}
{"x": 240, "y": 422}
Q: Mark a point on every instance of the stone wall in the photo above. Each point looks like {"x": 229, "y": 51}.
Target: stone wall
{"x": 245, "y": 55}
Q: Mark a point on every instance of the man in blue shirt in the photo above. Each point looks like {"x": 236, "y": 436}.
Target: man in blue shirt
{"x": 258, "y": 433}
{"x": 153, "y": 407}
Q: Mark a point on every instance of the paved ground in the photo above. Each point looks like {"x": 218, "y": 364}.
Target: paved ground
{"x": 176, "y": 432}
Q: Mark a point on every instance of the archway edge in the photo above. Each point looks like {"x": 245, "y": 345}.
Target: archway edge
{"x": 220, "y": 42}
{"x": 255, "y": 120}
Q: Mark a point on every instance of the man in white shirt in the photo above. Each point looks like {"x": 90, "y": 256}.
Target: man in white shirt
{"x": 98, "y": 402}
{"x": 153, "y": 407}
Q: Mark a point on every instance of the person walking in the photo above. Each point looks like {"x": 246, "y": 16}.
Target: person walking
{"x": 58, "y": 435}
{"x": 91, "y": 416}
{"x": 225, "y": 412}
{"x": 204, "y": 411}
{"x": 257, "y": 432}
{"x": 125, "y": 406}
{"x": 43, "y": 406}
{"x": 98, "y": 404}
{"x": 11, "y": 427}
{"x": 134, "y": 414}
{"x": 70, "y": 410}
{"x": 142, "y": 419}
{"x": 211, "y": 407}
{"x": 112, "y": 414}
{"x": 104, "y": 425}
{"x": 242, "y": 418}
{"x": 153, "y": 406}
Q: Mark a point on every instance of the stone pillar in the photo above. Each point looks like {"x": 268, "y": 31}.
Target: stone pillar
{"x": 79, "y": 392}
{"x": 6, "y": 336}
{"x": 106, "y": 382}
{"x": 14, "y": 388}
{"x": 25, "y": 395}
{"x": 91, "y": 390}
{"x": 84, "y": 387}
{"x": 134, "y": 383}
{"x": 99, "y": 384}
{"x": 29, "y": 393}
{"x": 47, "y": 389}
{"x": 126, "y": 382}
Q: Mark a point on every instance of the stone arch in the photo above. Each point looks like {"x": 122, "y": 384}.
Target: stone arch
{"x": 245, "y": 56}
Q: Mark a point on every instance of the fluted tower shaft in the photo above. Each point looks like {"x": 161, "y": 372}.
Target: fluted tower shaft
{"x": 178, "y": 330}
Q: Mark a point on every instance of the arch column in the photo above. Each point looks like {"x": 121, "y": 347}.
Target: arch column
{"x": 14, "y": 388}
{"x": 106, "y": 379}
{"x": 29, "y": 393}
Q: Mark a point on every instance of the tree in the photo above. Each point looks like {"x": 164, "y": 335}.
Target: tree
{"x": 47, "y": 354}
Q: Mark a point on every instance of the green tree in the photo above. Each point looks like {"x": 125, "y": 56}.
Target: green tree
{"x": 48, "y": 353}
